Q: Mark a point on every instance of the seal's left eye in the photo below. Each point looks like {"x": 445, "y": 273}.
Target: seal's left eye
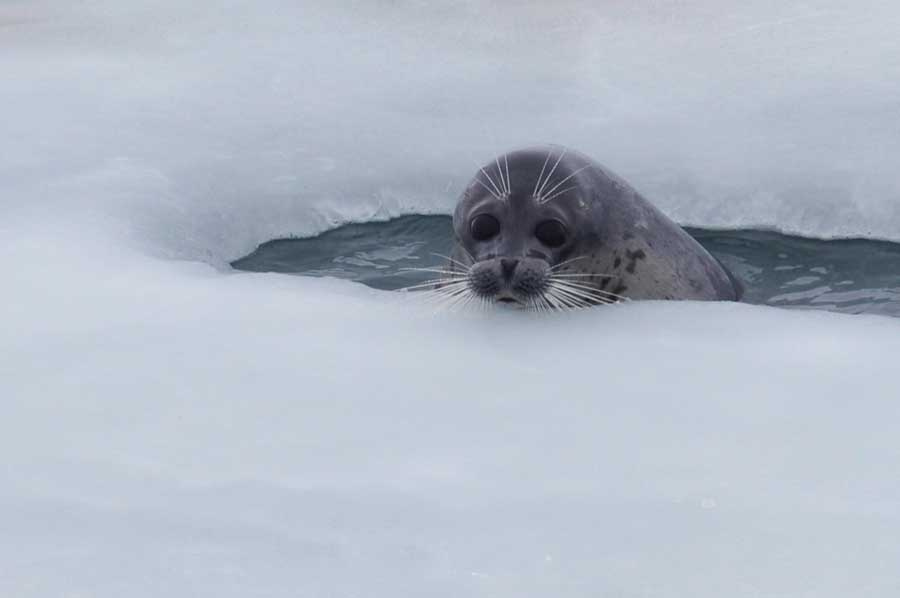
{"x": 484, "y": 227}
{"x": 551, "y": 233}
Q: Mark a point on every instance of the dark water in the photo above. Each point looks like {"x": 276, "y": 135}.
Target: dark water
{"x": 852, "y": 276}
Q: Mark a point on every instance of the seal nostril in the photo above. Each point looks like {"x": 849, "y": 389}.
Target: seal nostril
{"x": 508, "y": 266}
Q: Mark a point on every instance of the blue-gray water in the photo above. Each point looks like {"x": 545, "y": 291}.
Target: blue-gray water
{"x": 852, "y": 276}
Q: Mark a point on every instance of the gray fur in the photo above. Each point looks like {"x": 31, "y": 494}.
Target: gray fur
{"x": 634, "y": 249}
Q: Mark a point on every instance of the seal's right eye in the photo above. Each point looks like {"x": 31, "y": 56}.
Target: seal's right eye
{"x": 551, "y": 233}
{"x": 484, "y": 227}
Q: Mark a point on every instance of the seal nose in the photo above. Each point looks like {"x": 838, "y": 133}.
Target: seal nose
{"x": 508, "y": 266}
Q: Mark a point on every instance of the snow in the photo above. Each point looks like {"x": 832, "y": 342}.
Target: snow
{"x": 169, "y": 430}
{"x": 173, "y": 428}
{"x": 212, "y": 127}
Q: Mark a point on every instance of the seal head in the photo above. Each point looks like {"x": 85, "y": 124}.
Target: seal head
{"x": 550, "y": 228}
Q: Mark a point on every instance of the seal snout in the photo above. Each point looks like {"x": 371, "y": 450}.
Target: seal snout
{"x": 509, "y": 279}
{"x": 508, "y": 267}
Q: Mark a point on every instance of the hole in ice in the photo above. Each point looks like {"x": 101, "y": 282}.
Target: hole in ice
{"x": 852, "y": 276}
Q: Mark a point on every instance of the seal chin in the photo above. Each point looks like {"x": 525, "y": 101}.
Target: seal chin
{"x": 508, "y": 300}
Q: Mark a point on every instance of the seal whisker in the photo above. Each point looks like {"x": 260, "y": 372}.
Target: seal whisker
{"x": 574, "y": 300}
{"x": 580, "y": 292}
{"x": 452, "y": 290}
{"x": 544, "y": 302}
{"x": 579, "y": 275}
{"x": 488, "y": 189}
{"x": 503, "y": 184}
{"x": 430, "y": 285}
{"x": 541, "y": 176}
{"x": 553, "y": 301}
{"x": 587, "y": 296}
{"x": 451, "y": 284}
{"x": 586, "y": 291}
{"x": 452, "y": 261}
{"x": 550, "y": 175}
{"x": 440, "y": 286}
{"x": 439, "y": 294}
{"x": 558, "y": 300}
{"x": 461, "y": 300}
{"x": 453, "y": 277}
{"x": 405, "y": 270}
{"x": 447, "y": 300}
{"x": 434, "y": 285}
{"x": 559, "y": 184}
{"x": 557, "y": 194}
{"x": 561, "y": 264}
{"x": 578, "y": 285}
{"x": 437, "y": 270}
{"x": 445, "y": 279}
{"x": 582, "y": 300}
{"x": 549, "y": 304}
{"x": 541, "y": 304}
{"x": 473, "y": 304}
{"x": 499, "y": 193}
{"x": 571, "y": 303}
{"x": 445, "y": 282}
{"x": 508, "y": 180}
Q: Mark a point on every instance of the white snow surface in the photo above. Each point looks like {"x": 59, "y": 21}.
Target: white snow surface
{"x": 169, "y": 430}
{"x": 207, "y": 127}
{"x": 173, "y": 428}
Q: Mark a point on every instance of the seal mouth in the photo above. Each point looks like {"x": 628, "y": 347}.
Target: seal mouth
{"x": 509, "y": 301}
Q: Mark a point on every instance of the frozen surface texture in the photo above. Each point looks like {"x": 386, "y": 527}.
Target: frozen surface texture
{"x": 205, "y": 128}
{"x": 170, "y": 428}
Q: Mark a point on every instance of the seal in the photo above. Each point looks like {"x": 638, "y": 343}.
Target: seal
{"x": 549, "y": 228}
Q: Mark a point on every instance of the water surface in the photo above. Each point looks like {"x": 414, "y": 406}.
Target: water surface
{"x": 851, "y": 276}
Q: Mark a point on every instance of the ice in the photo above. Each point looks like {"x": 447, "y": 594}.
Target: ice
{"x": 169, "y": 430}
{"x": 206, "y": 129}
{"x": 173, "y": 428}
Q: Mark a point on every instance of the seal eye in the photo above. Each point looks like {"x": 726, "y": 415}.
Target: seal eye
{"x": 551, "y": 233}
{"x": 484, "y": 227}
